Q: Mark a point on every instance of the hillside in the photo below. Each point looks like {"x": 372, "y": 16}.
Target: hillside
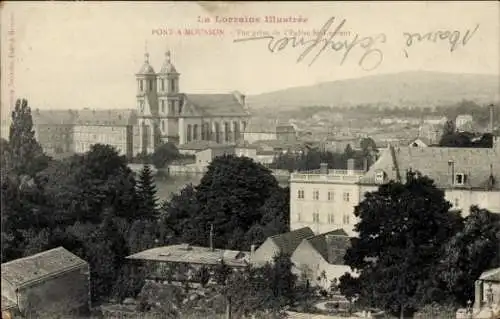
{"x": 418, "y": 88}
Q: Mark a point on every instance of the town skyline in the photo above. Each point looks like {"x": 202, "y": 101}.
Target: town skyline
{"x": 92, "y": 61}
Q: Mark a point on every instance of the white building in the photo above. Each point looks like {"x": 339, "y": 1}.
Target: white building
{"x": 463, "y": 122}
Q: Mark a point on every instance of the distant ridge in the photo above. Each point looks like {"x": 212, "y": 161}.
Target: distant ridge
{"x": 404, "y": 89}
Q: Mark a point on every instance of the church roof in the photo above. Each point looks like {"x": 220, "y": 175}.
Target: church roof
{"x": 146, "y": 69}
{"x": 216, "y": 104}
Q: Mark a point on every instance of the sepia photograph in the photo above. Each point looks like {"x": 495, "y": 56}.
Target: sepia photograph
{"x": 250, "y": 160}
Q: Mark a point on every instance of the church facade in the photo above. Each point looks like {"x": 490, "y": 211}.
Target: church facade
{"x": 164, "y": 114}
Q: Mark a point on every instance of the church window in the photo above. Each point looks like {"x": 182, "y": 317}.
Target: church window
{"x": 162, "y": 84}
{"x": 163, "y": 106}
{"x": 141, "y": 85}
{"x": 180, "y": 108}
{"x": 162, "y": 124}
{"x": 172, "y": 86}
{"x": 151, "y": 85}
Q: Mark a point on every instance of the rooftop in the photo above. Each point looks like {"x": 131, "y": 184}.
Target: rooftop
{"x": 216, "y": 104}
{"x": 287, "y": 242}
{"x": 24, "y": 271}
{"x": 184, "y": 253}
{"x": 331, "y": 245}
{"x": 479, "y": 164}
{"x": 491, "y": 275}
{"x": 108, "y": 117}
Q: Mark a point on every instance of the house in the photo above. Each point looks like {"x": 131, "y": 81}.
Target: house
{"x": 206, "y": 156}
{"x": 487, "y": 295}
{"x": 182, "y": 262}
{"x": 48, "y": 284}
{"x": 281, "y": 243}
{"x": 463, "y": 122}
{"x": 264, "y": 129}
{"x": 320, "y": 259}
{"x": 435, "y": 120}
{"x": 194, "y": 147}
{"x": 324, "y": 199}
{"x": 468, "y": 176}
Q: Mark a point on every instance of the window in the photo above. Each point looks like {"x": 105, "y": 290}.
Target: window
{"x": 172, "y": 86}
{"x": 162, "y": 84}
{"x": 460, "y": 179}
{"x": 300, "y": 194}
{"x": 331, "y": 219}
{"x": 346, "y": 196}
{"x": 141, "y": 85}
{"x": 151, "y": 85}
{"x": 316, "y": 217}
{"x": 345, "y": 219}
{"x": 316, "y": 194}
{"x": 162, "y": 125}
{"x": 163, "y": 106}
{"x": 330, "y": 195}
{"x": 457, "y": 202}
{"x": 379, "y": 176}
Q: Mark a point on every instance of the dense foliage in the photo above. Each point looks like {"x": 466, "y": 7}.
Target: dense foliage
{"x": 240, "y": 198}
{"x": 412, "y": 250}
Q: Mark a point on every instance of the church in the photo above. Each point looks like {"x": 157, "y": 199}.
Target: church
{"x": 164, "y": 114}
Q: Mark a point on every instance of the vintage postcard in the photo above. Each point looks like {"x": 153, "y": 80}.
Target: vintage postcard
{"x": 250, "y": 159}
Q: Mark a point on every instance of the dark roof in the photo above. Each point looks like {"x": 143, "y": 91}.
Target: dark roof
{"x": 109, "y": 117}
{"x": 24, "y": 271}
{"x": 287, "y": 242}
{"x": 216, "y": 104}
{"x": 331, "y": 245}
{"x": 53, "y": 117}
{"x": 106, "y": 117}
{"x": 478, "y": 163}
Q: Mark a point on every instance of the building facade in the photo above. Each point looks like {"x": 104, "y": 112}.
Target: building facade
{"x": 262, "y": 130}
{"x": 65, "y": 132}
{"x": 167, "y": 115}
{"x": 324, "y": 200}
{"x": 54, "y": 283}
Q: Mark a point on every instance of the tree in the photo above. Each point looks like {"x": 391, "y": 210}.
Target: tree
{"x": 401, "y": 230}
{"x": 146, "y": 193}
{"x": 230, "y": 196}
{"x": 349, "y": 152}
{"x": 164, "y": 154}
{"x": 26, "y": 155}
{"x": 471, "y": 251}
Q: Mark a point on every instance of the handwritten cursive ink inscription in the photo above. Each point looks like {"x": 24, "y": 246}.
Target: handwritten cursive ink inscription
{"x": 370, "y": 59}
{"x": 453, "y": 37}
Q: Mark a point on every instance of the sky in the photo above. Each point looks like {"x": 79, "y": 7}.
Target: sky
{"x": 82, "y": 54}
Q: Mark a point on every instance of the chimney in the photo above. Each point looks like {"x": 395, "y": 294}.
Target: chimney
{"x": 323, "y": 168}
{"x": 350, "y": 165}
{"x": 211, "y": 237}
{"x": 491, "y": 117}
